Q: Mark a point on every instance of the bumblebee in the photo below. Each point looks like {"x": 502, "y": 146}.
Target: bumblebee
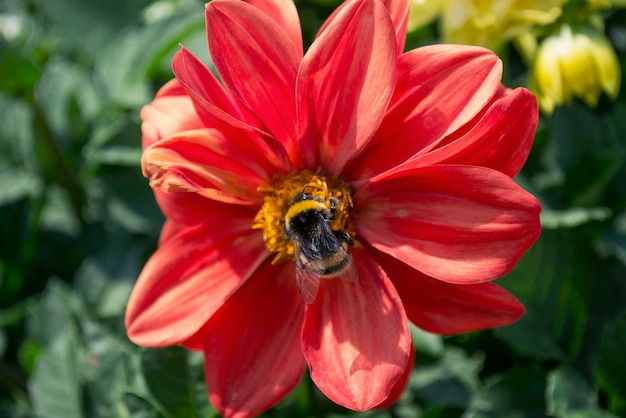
{"x": 318, "y": 250}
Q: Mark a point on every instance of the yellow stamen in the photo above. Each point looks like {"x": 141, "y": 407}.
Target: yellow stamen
{"x": 271, "y": 217}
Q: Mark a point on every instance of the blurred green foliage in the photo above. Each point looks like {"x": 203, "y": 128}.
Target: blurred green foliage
{"x": 78, "y": 221}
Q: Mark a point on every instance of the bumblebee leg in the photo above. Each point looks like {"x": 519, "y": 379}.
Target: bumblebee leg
{"x": 334, "y": 204}
{"x": 344, "y": 237}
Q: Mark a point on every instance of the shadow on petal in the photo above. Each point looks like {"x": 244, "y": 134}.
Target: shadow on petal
{"x": 356, "y": 337}
{"x": 447, "y": 308}
{"x": 252, "y": 344}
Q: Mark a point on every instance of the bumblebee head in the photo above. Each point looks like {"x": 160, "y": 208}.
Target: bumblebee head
{"x": 307, "y": 194}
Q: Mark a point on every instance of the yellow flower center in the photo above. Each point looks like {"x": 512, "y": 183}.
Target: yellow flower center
{"x": 279, "y": 197}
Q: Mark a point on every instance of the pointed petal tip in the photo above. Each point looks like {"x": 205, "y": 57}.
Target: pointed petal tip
{"x": 401, "y": 384}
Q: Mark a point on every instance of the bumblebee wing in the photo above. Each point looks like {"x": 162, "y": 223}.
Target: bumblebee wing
{"x": 308, "y": 284}
{"x": 349, "y": 273}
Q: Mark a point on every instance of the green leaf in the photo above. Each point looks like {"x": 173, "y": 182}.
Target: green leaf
{"x": 124, "y": 65}
{"x": 17, "y": 149}
{"x": 58, "y": 215}
{"x": 613, "y": 241}
{"x": 105, "y": 279}
{"x": 554, "y": 288}
{"x": 18, "y": 74}
{"x": 130, "y": 202}
{"x": 517, "y": 393}
{"x": 175, "y": 383}
{"x": 588, "y": 150}
{"x": 568, "y": 393}
{"x": 530, "y": 337}
{"x": 89, "y": 25}
{"x": 54, "y": 311}
{"x": 16, "y": 184}
{"x": 116, "y": 140}
{"x": 112, "y": 369}
{"x": 450, "y": 381}
{"x": 139, "y": 406}
{"x": 55, "y": 386}
{"x": 533, "y": 281}
{"x": 68, "y": 98}
{"x": 610, "y": 364}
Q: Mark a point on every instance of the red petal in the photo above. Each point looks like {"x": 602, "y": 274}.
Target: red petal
{"x": 400, "y": 386}
{"x": 446, "y": 308}
{"x": 188, "y": 278}
{"x": 258, "y": 62}
{"x": 207, "y": 162}
{"x": 168, "y": 114}
{"x": 399, "y": 13}
{"x": 344, "y": 85}
{"x": 511, "y": 152}
{"x": 170, "y": 230}
{"x": 439, "y": 89}
{"x": 206, "y": 91}
{"x": 460, "y": 224}
{"x": 285, "y": 14}
{"x": 501, "y": 139}
{"x": 356, "y": 337}
{"x": 171, "y": 88}
{"x": 252, "y": 344}
{"x": 193, "y": 208}
{"x": 233, "y": 219}
{"x": 222, "y": 111}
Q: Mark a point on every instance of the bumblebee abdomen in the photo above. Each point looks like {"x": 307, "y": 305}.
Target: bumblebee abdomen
{"x": 332, "y": 266}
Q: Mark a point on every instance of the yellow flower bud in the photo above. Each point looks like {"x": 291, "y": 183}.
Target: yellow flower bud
{"x": 491, "y": 23}
{"x": 575, "y": 63}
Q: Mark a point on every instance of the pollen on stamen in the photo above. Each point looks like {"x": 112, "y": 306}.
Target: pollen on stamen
{"x": 271, "y": 217}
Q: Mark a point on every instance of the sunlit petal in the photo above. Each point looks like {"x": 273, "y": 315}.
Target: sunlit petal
{"x": 206, "y": 162}
{"x": 285, "y": 14}
{"x": 461, "y": 224}
{"x": 356, "y": 337}
{"x": 501, "y": 139}
{"x": 258, "y": 62}
{"x": 188, "y": 279}
{"x": 344, "y": 85}
{"x": 439, "y": 89}
{"x": 219, "y": 110}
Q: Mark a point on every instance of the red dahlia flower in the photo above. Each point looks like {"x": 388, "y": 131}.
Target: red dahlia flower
{"x": 414, "y": 151}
